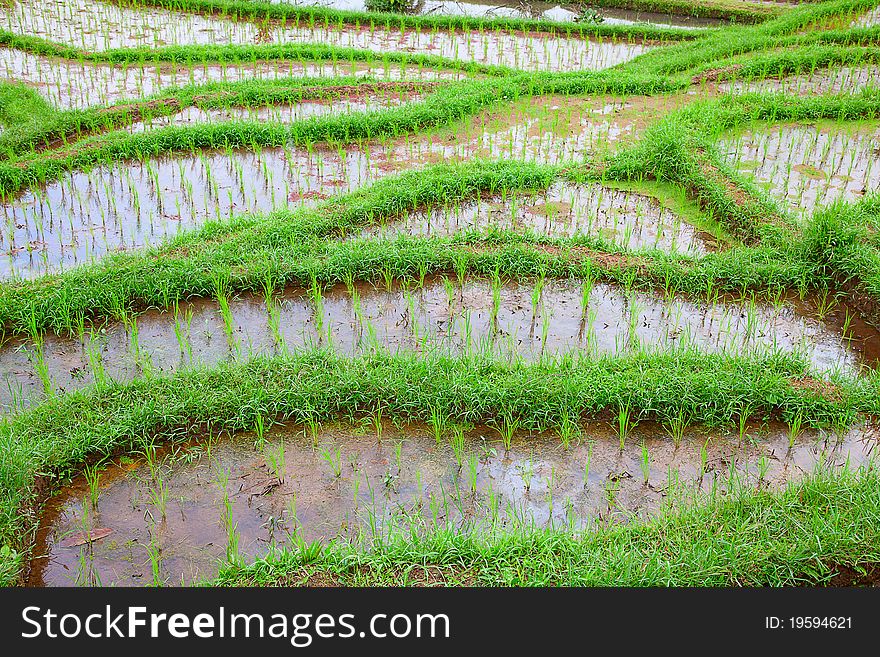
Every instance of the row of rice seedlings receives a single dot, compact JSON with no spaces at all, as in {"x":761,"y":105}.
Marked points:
{"x":816,"y":79}
{"x":492,"y":318}
{"x":81,"y":83}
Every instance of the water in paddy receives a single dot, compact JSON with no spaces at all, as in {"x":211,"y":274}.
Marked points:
{"x":809,"y":166}
{"x":172,"y":519}
{"x":869,"y":19}
{"x":563,"y":13}
{"x":96,"y":26}
{"x":631,"y":220}
{"x":126,"y":205}
{"x":509,"y":320}
{"x":845,"y":79}
{"x":69,"y":84}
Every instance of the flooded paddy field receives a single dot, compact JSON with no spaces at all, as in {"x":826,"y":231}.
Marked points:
{"x":77,"y":85}
{"x":807,"y":167}
{"x":127,"y":205}
{"x":509,"y":320}
{"x":845,"y":79}
{"x":870,"y":19}
{"x":630,"y":220}
{"x":562,"y":13}
{"x":96,"y":26}
{"x":173,"y":516}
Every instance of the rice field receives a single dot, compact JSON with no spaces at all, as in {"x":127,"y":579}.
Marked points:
{"x":325,"y":290}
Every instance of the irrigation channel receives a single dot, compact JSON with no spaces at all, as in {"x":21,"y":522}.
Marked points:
{"x":222,"y":221}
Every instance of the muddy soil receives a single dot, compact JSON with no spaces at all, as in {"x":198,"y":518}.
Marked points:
{"x":174,"y":521}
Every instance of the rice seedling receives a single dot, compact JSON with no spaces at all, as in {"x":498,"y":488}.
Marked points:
{"x":457,"y":440}
{"x":438,"y":423}
{"x":527,"y":473}
{"x":149,"y":452}
{"x":276,"y":460}
{"x":96,"y":361}
{"x":825,"y":303}
{"x":377,"y":421}
{"x":398,"y":454}
{"x":41,"y":367}
{"x":763,"y":465}
{"x":507,"y":429}
{"x":624,"y":423}
{"x":744,"y":416}
{"x":472,"y":472}
{"x":333,"y":459}
{"x":158,"y":497}
{"x":795,"y":426}
{"x":92,"y":476}
{"x":568,"y":431}
{"x":704,"y":459}
{"x":260,"y":430}
{"x":676,"y":426}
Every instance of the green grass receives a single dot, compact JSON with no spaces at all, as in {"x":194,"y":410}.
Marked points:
{"x":843,"y":242}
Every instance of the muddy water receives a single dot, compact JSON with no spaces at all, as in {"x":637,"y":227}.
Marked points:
{"x":808,"y":166}
{"x":126,"y":205}
{"x":77,"y":85}
{"x":512,"y":321}
{"x":351,"y":485}
{"x":95,"y":26}
{"x":630,"y":220}
{"x":846,"y":79}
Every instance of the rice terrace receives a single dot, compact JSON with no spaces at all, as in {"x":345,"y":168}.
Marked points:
{"x":437,"y":293}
